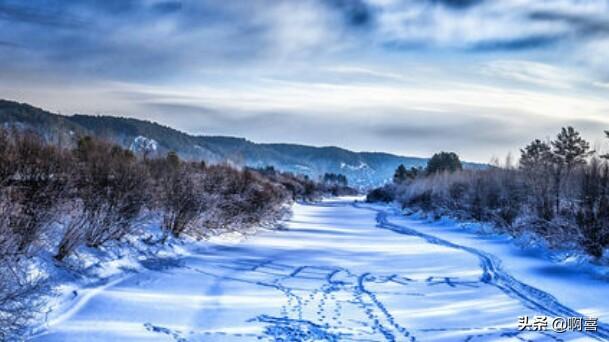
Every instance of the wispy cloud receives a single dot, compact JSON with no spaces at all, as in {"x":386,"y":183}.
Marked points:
{"x":535,"y":73}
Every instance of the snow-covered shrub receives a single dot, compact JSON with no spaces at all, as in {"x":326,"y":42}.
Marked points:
{"x":109,"y":192}
{"x":237,"y":199}
{"x":300,"y":187}
{"x":33,"y":187}
{"x":178,"y":192}
{"x":31,"y":190}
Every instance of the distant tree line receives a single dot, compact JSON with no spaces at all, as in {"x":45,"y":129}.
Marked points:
{"x":336,"y":184}
{"x":301,"y":186}
{"x":559,"y":191}
{"x":55,"y":200}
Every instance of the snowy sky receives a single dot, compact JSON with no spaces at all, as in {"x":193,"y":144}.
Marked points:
{"x":478,"y":77}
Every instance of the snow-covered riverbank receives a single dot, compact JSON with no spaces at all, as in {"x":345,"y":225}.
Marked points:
{"x":338,"y":272}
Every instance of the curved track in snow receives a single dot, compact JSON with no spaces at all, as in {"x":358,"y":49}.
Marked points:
{"x":493,"y":274}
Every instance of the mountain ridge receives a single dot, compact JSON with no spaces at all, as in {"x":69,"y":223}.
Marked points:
{"x":363,"y":169}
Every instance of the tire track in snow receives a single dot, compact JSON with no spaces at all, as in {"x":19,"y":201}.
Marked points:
{"x":493,"y":274}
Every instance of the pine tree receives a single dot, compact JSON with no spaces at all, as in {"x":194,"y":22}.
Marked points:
{"x":400,"y":174}
{"x":569,"y":150}
{"x":535,"y":155}
{"x":444,"y":161}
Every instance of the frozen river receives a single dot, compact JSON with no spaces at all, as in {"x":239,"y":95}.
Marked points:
{"x":339,"y":272}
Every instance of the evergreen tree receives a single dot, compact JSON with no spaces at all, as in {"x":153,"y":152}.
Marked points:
{"x":403,"y":174}
{"x":537,"y":154}
{"x":444,"y":161}
{"x":570,"y":149}
{"x":400,"y":174}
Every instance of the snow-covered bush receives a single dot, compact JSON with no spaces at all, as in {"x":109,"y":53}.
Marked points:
{"x":31,"y":190}
{"x":109,"y":193}
{"x":177,"y":192}
{"x":237,"y":199}
{"x":20,"y":297}
{"x":33,"y":186}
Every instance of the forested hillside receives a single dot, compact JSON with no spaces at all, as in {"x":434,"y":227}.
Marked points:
{"x":362,"y":169}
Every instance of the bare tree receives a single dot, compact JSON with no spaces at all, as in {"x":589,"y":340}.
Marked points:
{"x":593,"y":213}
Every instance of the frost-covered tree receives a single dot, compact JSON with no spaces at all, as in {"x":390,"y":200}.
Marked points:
{"x":593,"y":213}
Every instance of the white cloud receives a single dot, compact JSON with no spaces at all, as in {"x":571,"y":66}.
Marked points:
{"x":535,"y":73}
{"x":601,"y":84}
{"x":366,"y":72}
{"x":595,"y":54}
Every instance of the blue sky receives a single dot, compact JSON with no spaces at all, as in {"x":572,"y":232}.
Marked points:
{"x":478,"y":77}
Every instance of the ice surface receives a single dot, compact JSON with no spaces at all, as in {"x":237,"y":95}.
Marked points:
{"x":338,"y":272}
